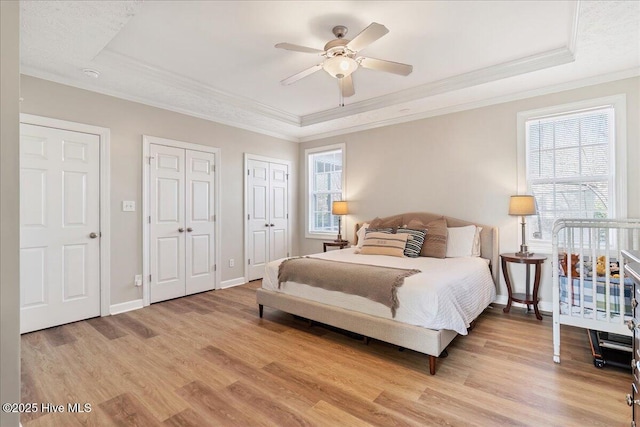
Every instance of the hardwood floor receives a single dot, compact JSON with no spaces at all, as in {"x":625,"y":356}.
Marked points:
{"x":209,"y":360}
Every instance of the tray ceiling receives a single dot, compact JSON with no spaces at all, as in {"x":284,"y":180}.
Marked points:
{"x":217,"y":60}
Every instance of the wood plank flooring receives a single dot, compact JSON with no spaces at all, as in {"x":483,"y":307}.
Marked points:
{"x":209,"y":360}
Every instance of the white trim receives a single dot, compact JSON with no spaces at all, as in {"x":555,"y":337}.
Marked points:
{"x":233,"y":282}
{"x":546,"y":306}
{"x":126,"y":306}
{"x":104,"y":135}
{"x":247,"y":249}
{"x":620,"y":197}
{"x":489,"y":74}
{"x":339,"y":146}
{"x":147,"y":140}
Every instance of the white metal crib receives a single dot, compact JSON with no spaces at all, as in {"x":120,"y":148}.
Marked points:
{"x":588,"y":294}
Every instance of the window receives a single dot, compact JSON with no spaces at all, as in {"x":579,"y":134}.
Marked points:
{"x":325,"y":177}
{"x":574,"y":163}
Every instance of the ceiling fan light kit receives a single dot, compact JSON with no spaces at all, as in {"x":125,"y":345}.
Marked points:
{"x":341,"y":60}
{"x":340,"y":66}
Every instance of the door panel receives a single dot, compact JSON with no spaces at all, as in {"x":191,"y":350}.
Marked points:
{"x":279,"y":230}
{"x":267,"y":206}
{"x":258,"y":209}
{"x":59,"y":209}
{"x":200,"y":222}
{"x":166,"y":202}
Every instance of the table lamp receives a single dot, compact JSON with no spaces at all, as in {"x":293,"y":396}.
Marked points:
{"x":523,"y":206}
{"x":339,"y":208}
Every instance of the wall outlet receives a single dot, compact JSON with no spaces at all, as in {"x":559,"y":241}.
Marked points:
{"x":128,"y":206}
{"x":232,"y":262}
{"x":138,"y":280}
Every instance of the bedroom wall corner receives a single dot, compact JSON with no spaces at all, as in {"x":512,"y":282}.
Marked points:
{"x":9,"y":210}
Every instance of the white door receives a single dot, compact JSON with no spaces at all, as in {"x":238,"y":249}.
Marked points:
{"x":167,"y":230}
{"x":59,"y":227}
{"x":258,"y":217}
{"x":279,"y":217}
{"x":200,"y":222}
{"x":182,"y":223}
{"x":268,"y":218}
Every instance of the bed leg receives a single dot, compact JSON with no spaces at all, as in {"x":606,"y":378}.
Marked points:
{"x":366,"y":340}
{"x":432,"y":364}
{"x":260,"y":309}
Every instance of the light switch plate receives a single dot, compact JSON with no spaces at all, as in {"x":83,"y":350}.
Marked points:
{"x":128,"y":206}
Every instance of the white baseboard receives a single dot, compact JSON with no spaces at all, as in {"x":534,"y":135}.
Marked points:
{"x":233,"y":282}
{"x":126,"y":306}
{"x":542,"y":305}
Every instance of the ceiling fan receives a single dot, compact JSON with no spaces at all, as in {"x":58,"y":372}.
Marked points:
{"x":341,"y":60}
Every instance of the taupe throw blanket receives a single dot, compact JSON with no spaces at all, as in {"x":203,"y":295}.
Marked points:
{"x":374,"y":282}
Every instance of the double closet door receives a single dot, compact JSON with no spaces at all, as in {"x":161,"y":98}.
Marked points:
{"x":267,"y":214}
{"x":182,"y":222}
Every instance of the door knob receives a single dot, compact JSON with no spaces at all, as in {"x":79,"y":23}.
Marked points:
{"x":266,"y":225}
{"x":93,"y":235}
{"x":631,"y":324}
{"x":271,"y":225}
{"x":181,"y":230}
{"x":631,"y":401}
{"x":189,"y":229}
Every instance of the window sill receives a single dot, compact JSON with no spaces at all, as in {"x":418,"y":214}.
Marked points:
{"x":321,"y":236}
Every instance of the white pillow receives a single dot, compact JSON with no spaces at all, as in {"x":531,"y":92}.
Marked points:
{"x":461,"y":241}
{"x":361,"y":232}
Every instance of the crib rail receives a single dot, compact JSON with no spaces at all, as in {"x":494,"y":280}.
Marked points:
{"x":586,"y":291}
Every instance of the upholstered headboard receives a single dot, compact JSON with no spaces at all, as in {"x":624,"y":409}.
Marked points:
{"x":489,"y":247}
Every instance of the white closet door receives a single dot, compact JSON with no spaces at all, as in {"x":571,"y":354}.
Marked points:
{"x":200,"y":225}
{"x":278,"y":223}
{"x":167,"y":230}
{"x":59,"y":227}
{"x":258,"y":211}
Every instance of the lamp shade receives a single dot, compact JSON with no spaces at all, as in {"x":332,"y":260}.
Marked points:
{"x":339,"y":208}
{"x":340,"y":66}
{"x":522,"y":205}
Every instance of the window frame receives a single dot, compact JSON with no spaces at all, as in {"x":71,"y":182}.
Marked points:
{"x":308,"y":185}
{"x":618,"y":151}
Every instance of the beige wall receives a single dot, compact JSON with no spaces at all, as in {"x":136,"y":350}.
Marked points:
{"x":128,"y":121}
{"x":461,"y":164}
{"x":9,"y":210}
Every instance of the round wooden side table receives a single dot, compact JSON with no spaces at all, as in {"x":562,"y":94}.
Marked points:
{"x":524,"y":298}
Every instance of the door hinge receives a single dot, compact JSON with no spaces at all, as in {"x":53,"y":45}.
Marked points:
{"x":248,"y":172}
{"x":213,"y":168}
{"x":214,"y":218}
{"x":150,"y":158}
{"x":287,"y":216}
{"x":248,"y":217}
{"x":149,"y":278}
{"x":149,"y":219}
{"x":288,"y":255}
{"x":287,"y":177}
{"x":215,"y":267}
{"x":249,"y":261}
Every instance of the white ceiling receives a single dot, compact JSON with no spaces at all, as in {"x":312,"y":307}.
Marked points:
{"x":216,"y":59}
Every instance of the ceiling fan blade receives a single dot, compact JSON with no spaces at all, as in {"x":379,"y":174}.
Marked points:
{"x":298,"y":48}
{"x":387,"y":66}
{"x":301,"y":74}
{"x":346,"y":86}
{"x":367,"y":36}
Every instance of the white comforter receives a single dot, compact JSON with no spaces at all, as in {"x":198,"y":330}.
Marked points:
{"x":448,"y":293}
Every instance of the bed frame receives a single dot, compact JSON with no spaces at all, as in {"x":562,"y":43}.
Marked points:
{"x":428,"y":341}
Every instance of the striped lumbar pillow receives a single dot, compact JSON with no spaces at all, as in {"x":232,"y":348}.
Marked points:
{"x":414,"y":243}
{"x":376,"y":243}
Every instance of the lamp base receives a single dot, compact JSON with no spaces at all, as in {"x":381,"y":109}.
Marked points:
{"x":339,"y":239}
{"x":524,"y":251}
{"x":524,"y":254}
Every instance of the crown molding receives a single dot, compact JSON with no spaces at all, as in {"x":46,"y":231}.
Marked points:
{"x":180,"y":82}
{"x":576,"y":84}
{"x":492,"y":73}
{"x":34,"y":72}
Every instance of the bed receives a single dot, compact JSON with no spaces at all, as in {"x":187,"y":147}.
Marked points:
{"x":435,"y":304}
